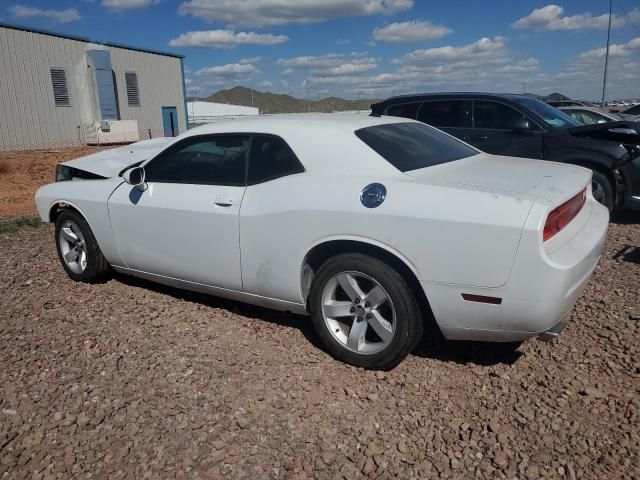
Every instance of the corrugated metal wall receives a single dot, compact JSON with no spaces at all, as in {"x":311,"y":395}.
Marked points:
{"x":29,"y":117}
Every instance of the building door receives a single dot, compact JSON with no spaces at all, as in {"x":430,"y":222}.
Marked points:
{"x":170,"y":121}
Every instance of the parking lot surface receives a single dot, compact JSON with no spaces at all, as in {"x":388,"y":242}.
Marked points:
{"x":131,"y":380}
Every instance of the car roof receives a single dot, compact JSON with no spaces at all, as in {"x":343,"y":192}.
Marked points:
{"x":281,"y":124}
{"x":324,"y":142}
{"x":423,"y":96}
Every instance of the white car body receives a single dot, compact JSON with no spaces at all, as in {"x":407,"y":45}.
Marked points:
{"x":471,"y":226}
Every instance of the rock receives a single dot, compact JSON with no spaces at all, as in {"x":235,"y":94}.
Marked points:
{"x":500,"y":459}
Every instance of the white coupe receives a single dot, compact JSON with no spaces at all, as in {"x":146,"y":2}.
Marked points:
{"x":376,"y":227}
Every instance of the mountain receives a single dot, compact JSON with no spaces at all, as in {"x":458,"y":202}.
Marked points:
{"x":277,"y":103}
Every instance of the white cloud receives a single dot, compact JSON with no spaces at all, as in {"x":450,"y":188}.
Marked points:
{"x":477,"y":53}
{"x":552,"y":18}
{"x":265,"y":84}
{"x":127,"y":4}
{"x":229,"y":70}
{"x":412,"y":31}
{"x":57,"y":16}
{"x":484,"y":65}
{"x":250,"y":60}
{"x":581,"y":76}
{"x":225,"y":39}
{"x":283,"y":12}
{"x":329,"y":64}
{"x":615,"y":50}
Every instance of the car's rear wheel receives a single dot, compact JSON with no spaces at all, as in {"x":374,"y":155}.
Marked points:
{"x":364,"y":311}
{"x":78,"y":249}
{"x":602,"y":190}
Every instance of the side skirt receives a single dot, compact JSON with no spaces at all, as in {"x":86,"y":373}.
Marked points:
{"x":245,"y":297}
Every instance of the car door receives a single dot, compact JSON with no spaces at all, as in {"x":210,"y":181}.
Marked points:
{"x":498,"y":129}
{"x":269,"y":219}
{"x":451,"y":116}
{"x":185,"y":224}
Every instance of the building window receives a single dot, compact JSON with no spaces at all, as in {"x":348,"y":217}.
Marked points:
{"x":60,"y":88}
{"x":133,"y":94}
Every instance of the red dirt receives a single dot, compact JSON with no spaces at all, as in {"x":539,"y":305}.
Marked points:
{"x":23,"y":172}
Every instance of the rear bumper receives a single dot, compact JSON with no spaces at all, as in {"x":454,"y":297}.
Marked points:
{"x":541,"y":291}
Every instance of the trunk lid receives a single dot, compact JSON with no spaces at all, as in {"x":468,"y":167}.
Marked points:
{"x":555,"y":182}
{"x":108,"y":163}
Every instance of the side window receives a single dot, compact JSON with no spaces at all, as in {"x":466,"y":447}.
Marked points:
{"x":271,"y":158}
{"x":446,"y":113}
{"x":404,"y":110}
{"x":213,"y":160}
{"x":495,"y":116}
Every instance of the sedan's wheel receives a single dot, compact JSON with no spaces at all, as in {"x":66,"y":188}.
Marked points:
{"x":78,"y":250}
{"x":602,"y":190}
{"x":364,"y":311}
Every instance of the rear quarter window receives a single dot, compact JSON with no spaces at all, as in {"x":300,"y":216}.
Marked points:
{"x":410,"y":146}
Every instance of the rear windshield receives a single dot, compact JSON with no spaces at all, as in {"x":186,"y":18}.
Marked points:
{"x":410,"y":146}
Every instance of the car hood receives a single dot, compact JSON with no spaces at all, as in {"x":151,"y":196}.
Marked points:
{"x":624,"y":132}
{"x":108,"y":163}
{"x":554,"y":182}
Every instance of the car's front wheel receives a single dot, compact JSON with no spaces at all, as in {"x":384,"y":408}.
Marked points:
{"x":78,"y":249}
{"x":364,"y":311}
{"x":602,"y":190}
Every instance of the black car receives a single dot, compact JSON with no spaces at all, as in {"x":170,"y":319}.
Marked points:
{"x":522,"y":126}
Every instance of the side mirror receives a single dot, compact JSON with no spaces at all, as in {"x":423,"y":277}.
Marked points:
{"x":136,"y":178}
{"x":521,"y":125}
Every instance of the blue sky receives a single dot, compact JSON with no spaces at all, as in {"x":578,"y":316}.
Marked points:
{"x":367,"y":48}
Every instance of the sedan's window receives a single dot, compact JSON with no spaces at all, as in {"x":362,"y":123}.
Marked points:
{"x":410,"y":146}
{"x":271,"y":158}
{"x":211,"y":160}
{"x":446,"y":113}
{"x":495,"y":116}
{"x":404,"y":110}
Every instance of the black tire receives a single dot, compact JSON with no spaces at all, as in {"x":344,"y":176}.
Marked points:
{"x":97,"y":268}
{"x":603,"y":190}
{"x":408,"y":319}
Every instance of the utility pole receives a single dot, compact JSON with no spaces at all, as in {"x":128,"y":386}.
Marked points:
{"x":524,"y":87}
{"x":606,"y":58}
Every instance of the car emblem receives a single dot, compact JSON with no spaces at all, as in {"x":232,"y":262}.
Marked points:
{"x":373,"y":195}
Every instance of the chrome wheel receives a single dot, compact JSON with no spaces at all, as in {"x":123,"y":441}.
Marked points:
{"x":73,"y":247}
{"x":358,"y":312}
{"x":598,"y":192}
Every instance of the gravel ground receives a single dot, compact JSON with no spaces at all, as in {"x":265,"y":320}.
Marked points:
{"x":131,"y":380}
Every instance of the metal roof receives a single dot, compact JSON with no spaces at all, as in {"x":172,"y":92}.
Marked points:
{"x":87,"y":40}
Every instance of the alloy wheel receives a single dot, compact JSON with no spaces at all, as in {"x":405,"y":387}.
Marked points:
{"x":358,"y":312}
{"x":73,"y":247}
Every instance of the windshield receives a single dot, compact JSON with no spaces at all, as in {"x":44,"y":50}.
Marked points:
{"x":410,"y":146}
{"x":551,"y":116}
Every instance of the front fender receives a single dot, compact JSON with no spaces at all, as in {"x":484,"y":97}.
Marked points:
{"x":89,"y":198}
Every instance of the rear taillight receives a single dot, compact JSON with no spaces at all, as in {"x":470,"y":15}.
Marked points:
{"x":562,"y":215}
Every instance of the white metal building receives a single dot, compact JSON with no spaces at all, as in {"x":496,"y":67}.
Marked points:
{"x":207,"y":112}
{"x":60,"y":90}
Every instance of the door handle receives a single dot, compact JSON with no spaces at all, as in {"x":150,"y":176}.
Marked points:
{"x":223,"y":202}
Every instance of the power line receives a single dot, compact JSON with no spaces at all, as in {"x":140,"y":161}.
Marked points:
{"x":626,"y":15}
{"x":606,"y":58}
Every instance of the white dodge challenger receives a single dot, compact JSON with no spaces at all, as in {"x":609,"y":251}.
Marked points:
{"x":376,"y":227}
